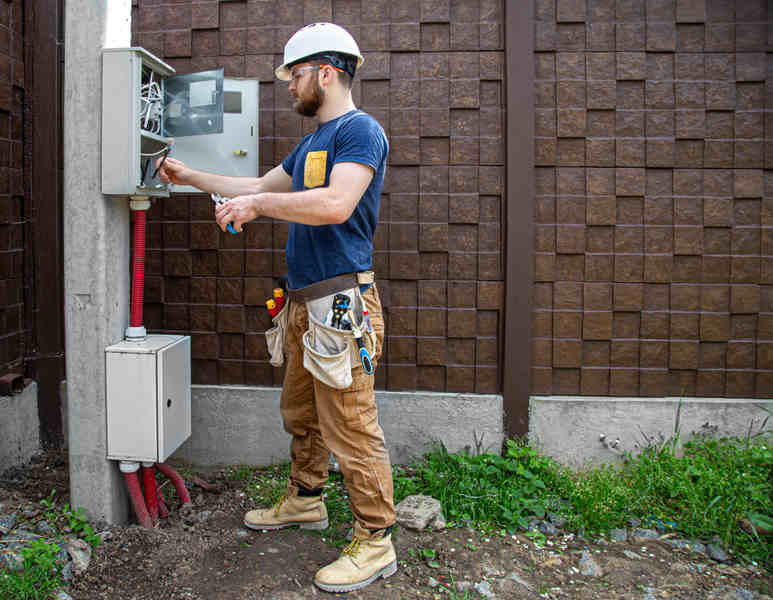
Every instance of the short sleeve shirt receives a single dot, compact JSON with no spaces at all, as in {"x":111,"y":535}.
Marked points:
{"x":318,"y":252}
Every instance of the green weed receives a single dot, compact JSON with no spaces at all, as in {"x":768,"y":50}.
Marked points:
{"x":43,"y":560}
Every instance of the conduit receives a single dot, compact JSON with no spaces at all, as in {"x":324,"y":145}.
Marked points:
{"x":150,"y":505}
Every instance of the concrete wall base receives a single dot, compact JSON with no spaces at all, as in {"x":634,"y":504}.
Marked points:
{"x":19,"y":427}
{"x":234,"y":425}
{"x":584,"y":431}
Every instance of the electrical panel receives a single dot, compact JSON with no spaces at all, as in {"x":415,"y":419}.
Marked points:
{"x":148,"y":397}
{"x":147,"y":112}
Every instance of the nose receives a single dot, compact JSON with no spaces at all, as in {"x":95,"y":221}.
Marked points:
{"x":291,"y":86}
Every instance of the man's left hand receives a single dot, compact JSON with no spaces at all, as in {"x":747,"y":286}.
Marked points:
{"x":237,"y":211}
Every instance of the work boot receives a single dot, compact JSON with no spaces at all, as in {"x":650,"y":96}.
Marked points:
{"x":368,"y":557}
{"x":307,"y":511}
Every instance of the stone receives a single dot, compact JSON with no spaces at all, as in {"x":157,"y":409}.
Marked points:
{"x":634,"y":522}
{"x":433,"y":583}
{"x":62,"y":595}
{"x":11,"y":559}
{"x":7,"y":522}
{"x":683,"y":544}
{"x":631,"y":555}
{"x":640,"y":535}
{"x":618,"y":535}
{"x":43,"y":528}
{"x":716,"y":552}
{"x":650,"y":593}
{"x":80,"y":552}
{"x":547,"y":528}
{"x":588,"y":566}
{"x":557,"y":520}
{"x":484,"y":589}
{"x":418,"y":512}
{"x":67,"y":572}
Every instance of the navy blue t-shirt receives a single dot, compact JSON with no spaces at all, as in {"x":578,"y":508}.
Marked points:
{"x":317,"y":252}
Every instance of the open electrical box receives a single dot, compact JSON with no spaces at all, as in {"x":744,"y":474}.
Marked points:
{"x":207,"y":121}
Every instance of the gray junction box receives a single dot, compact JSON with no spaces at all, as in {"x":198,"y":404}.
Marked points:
{"x":148,"y":397}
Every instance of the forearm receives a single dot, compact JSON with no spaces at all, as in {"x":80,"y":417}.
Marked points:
{"x":224,"y":185}
{"x":318,"y":206}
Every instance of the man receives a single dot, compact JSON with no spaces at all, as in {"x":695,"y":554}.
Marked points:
{"x":329,"y":190}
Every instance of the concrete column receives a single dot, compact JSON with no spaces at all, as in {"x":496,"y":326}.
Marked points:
{"x":96,"y":255}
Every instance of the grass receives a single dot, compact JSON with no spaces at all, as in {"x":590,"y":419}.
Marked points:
{"x":43,"y":560}
{"x":705,"y":490}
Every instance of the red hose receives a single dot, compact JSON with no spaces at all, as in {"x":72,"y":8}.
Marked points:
{"x":178,"y":482}
{"x":138,"y":502}
{"x":138,"y":268}
{"x":151,"y":492}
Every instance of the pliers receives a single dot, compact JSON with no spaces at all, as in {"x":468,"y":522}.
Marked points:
{"x":218,"y":200}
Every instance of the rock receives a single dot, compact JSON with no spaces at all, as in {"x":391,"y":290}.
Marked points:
{"x":519,"y":580}
{"x":633,"y":523}
{"x":727,"y":592}
{"x":551,"y":561}
{"x":588,"y":566}
{"x":11,"y":559}
{"x":43,"y":528}
{"x":7,"y":522}
{"x":642,"y":535}
{"x":650,"y":593}
{"x":62,"y":595}
{"x":80,"y":552}
{"x":547,"y":528}
{"x":204,"y":515}
{"x":433,"y":583}
{"x":618,"y":535}
{"x":484,"y":589}
{"x":683,"y":544}
{"x":418,"y":512}
{"x":717,"y":553}
{"x":26,"y":535}
{"x":631,"y":555}
{"x":463,"y":586}
{"x":557,"y":520}
{"x":242,"y":533}
{"x":67,"y":572}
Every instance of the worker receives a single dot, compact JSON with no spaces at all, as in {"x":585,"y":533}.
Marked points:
{"x":329,"y":190}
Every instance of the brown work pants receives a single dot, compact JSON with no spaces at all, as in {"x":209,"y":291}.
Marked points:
{"x":322,"y":419}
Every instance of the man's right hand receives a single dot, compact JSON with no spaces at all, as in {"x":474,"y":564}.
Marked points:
{"x":173,"y":171}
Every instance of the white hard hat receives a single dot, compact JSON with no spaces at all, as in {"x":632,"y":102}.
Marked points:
{"x":317,"y":38}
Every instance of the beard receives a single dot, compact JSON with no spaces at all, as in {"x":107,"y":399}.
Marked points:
{"x":309,"y":106}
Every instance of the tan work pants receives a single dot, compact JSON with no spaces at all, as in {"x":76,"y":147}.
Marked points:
{"x":322,"y":419}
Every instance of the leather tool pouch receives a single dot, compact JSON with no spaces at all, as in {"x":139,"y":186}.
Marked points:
{"x":330,"y":354}
{"x":275,"y":337}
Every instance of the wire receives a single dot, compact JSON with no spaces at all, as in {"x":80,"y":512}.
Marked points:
{"x":164,"y":149}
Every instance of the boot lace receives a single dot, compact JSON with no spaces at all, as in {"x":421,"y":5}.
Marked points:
{"x":353,"y":548}
{"x":279,"y":503}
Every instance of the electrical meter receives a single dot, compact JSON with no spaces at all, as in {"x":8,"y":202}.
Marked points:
{"x":203,"y":119}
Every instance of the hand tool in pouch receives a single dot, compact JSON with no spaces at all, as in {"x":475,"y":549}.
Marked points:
{"x":218,"y":200}
{"x":367,"y":363}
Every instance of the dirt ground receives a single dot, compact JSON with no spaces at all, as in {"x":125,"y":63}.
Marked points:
{"x":209,"y":555}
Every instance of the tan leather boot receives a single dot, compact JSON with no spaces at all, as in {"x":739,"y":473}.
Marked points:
{"x":368,"y":557}
{"x":307,"y":511}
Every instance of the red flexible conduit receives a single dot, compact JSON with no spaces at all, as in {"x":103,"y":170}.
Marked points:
{"x":178,"y":482}
{"x":151,"y":492}
{"x":138,"y":502}
{"x":138,"y":270}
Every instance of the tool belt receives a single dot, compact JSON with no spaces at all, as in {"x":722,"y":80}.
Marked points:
{"x":326,"y":287}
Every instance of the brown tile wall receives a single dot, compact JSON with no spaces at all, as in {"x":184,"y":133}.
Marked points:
{"x":654,"y":207}
{"x":12,"y":328}
{"x":433,"y":77}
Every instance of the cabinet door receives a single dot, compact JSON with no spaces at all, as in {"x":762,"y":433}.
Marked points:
{"x":235,"y":150}
{"x":131,"y":402}
{"x":174,"y":397}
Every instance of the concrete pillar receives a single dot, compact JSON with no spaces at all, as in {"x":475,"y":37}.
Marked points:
{"x":96,"y":255}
